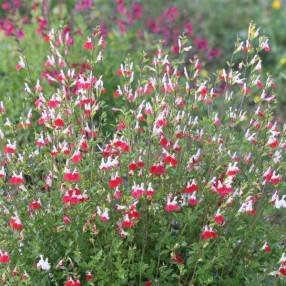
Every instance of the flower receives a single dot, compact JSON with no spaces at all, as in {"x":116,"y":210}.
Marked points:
{"x":208,"y":233}
{"x":88,"y":276}
{"x":66,"y":219}
{"x":21,"y":64}
{"x":193,"y":201}
{"x":172,"y":204}
{"x":219,"y":218}
{"x":35,"y":205}
{"x":157,"y":169}
{"x":10,"y":148}
{"x":16,"y":179}
{"x":15,"y":223}
{"x":59,"y":122}
{"x":266,"y":247}
{"x":191,"y":187}
{"x":177,"y":258}
{"x":4,"y":257}
{"x":71,"y":176}
{"x":71,"y":282}
{"x":88,"y":45}
{"x":115,"y":181}
{"x":276,"y":4}
{"x":43,"y":264}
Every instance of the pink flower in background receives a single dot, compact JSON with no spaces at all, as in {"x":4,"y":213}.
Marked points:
{"x":121,"y":9}
{"x":129,"y":15}
{"x":6,"y":6}
{"x":7,"y":26}
{"x":42,"y":25}
{"x":188,"y":28}
{"x":83,"y":5}
{"x":214,"y":53}
{"x":137,"y":10}
{"x":17,"y":4}
{"x":170,"y":14}
{"x":152,"y":25}
{"x":9,"y":5}
{"x":175,"y":49}
{"x":202,"y":44}
{"x":122,"y":26}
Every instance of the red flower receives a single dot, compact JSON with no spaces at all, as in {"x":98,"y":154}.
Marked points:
{"x":77,"y":157}
{"x":72,"y":176}
{"x":15,"y":223}
{"x":10,"y":148}
{"x":127,"y":223}
{"x":191,"y":187}
{"x":172,"y":204}
{"x":35,"y":205}
{"x":59,"y":122}
{"x":282,"y":270}
{"x":115,"y":182}
{"x":219,"y":218}
{"x":266,"y":247}
{"x":171,"y":160}
{"x":88,"y":276}
{"x":16,"y":179}
{"x":208,"y":233}
{"x":132,"y":166}
{"x":4,"y":257}
{"x":88,"y":44}
{"x":177,"y":258}
{"x":157,"y":169}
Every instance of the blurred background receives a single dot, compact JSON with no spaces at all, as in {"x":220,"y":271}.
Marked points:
{"x":129,"y":27}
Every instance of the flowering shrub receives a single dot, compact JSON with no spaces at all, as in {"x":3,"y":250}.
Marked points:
{"x":179,"y":193}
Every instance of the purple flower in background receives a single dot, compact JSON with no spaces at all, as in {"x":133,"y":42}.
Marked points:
{"x":103,"y":30}
{"x":20,"y":34}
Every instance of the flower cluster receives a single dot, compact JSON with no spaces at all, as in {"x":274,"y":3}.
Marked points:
{"x":178,"y":181}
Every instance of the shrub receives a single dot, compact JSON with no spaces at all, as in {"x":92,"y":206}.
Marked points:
{"x":181,"y":192}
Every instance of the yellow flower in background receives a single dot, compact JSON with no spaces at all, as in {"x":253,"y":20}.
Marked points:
{"x":276,"y":4}
{"x":204,"y":73}
{"x":110,"y":35}
{"x":257,"y":99}
{"x":283,"y":61}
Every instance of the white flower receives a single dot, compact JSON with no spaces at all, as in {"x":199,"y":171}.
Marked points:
{"x":43,"y":264}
